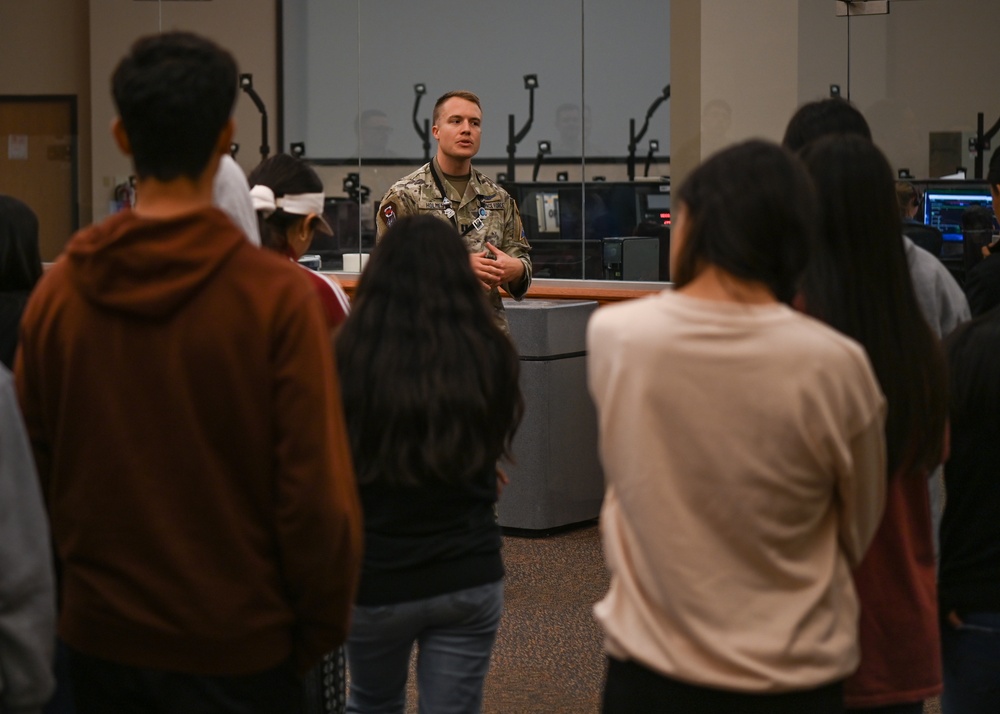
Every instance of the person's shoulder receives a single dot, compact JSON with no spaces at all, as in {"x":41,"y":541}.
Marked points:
{"x":982,"y":285}
{"x":929,"y":273}
{"x":488,"y":185}
{"x":812,"y":331}
{"x":623,"y":317}
{"x":413,"y":182}
{"x":811,"y":341}
{"x":265,"y":267}
{"x":921,"y":261}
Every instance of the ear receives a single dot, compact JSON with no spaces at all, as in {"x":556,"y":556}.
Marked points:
{"x":434,"y":131}
{"x":315,"y":224}
{"x":309,"y":224}
{"x":120,"y":137}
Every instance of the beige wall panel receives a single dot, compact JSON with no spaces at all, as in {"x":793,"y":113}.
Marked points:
{"x":44,"y":49}
{"x":245,"y":27}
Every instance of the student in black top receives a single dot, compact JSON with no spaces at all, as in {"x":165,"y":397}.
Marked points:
{"x":968,"y":583}
{"x":431,"y":400}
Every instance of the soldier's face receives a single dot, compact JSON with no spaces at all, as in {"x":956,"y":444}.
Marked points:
{"x":459,"y":128}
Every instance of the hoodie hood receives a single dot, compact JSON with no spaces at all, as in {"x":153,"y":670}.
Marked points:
{"x":150,"y":267}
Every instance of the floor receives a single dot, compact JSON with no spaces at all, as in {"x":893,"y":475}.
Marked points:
{"x":548,"y":656}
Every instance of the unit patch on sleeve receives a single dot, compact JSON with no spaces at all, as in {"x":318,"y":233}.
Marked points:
{"x":389,"y":213}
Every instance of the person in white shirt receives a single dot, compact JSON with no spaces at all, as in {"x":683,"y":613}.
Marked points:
{"x":743,"y":448}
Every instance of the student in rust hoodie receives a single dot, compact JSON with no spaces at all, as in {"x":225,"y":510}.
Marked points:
{"x":187,"y":427}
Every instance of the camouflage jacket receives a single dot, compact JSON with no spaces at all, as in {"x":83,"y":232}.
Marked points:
{"x":487,"y":208}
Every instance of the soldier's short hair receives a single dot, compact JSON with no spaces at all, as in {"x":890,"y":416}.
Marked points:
{"x":461,"y":94}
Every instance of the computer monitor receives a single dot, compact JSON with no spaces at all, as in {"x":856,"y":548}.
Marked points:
{"x":944,"y":205}
{"x":567,"y":224}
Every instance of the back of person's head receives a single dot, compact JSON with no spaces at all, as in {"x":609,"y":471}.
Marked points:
{"x":175,"y":94}
{"x":20,"y":261}
{"x":975,"y":218}
{"x":907,"y":198}
{"x":749,"y":210}
{"x":859,"y":282}
{"x":429,"y":381}
{"x":977,"y":226}
{"x":284,"y":176}
{"x":826,"y":116}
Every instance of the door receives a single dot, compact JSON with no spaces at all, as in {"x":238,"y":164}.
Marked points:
{"x":38,"y":163}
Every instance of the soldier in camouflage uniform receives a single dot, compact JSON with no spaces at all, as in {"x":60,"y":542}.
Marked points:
{"x":485,"y":214}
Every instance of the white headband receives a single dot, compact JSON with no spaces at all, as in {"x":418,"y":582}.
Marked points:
{"x":299,"y":204}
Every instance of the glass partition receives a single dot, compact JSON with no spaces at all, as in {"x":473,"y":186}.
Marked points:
{"x":522,"y":63}
{"x":350,"y":72}
{"x":360,"y":81}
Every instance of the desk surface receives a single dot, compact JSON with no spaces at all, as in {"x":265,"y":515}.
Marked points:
{"x":603,"y":291}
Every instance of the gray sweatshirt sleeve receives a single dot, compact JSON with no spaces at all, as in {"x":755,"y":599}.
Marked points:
{"x":27,"y":583}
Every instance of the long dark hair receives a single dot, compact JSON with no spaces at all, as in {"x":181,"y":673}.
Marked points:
{"x":20,"y":269}
{"x":750,"y":210}
{"x":858,"y":282}
{"x":429,"y":382}
{"x":284,"y":174}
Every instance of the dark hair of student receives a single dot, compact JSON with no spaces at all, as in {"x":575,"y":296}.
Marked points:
{"x":429,"y":381}
{"x":284,"y":174}
{"x":859,"y":283}
{"x":20,"y":269}
{"x":750,"y":210}
{"x":826,"y":116}
{"x":20,"y":262}
{"x":974,"y":378}
{"x":174,"y":93}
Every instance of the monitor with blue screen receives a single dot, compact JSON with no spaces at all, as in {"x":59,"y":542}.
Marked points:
{"x":944,"y":205}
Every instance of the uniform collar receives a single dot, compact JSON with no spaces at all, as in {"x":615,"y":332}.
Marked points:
{"x":475,"y":183}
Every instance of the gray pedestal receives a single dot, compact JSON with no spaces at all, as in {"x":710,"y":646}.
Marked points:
{"x":557,"y":478}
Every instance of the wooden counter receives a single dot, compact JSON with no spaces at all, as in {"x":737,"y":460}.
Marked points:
{"x":603,"y":291}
